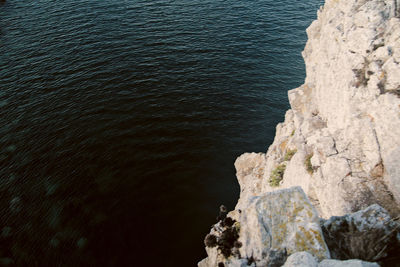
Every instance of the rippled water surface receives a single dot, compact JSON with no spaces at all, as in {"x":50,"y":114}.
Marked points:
{"x":120,"y":121}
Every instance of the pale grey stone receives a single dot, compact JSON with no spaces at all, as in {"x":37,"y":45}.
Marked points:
{"x":271,"y":227}
{"x":301,"y":259}
{"x":348,"y":263}
{"x":204,"y":263}
{"x":280,"y":220}
{"x":238,"y":263}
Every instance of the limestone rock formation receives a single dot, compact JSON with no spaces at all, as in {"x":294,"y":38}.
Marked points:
{"x":305,"y":259}
{"x":348,"y":263}
{"x":284,"y":221}
{"x":282,"y":228}
{"x":368,"y":234}
{"x":340,"y":140}
{"x":271,"y":227}
{"x":301,"y":259}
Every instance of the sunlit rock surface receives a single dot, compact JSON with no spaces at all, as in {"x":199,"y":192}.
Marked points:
{"x":340,"y":143}
{"x":344,"y":121}
{"x":271,"y":227}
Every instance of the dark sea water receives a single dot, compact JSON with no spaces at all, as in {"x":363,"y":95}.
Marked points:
{"x":120,"y":121}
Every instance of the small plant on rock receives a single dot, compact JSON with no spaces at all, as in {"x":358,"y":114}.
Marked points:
{"x":227,"y":241}
{"x":225,"y":237}
{"x":228,"y":222}
{"x":277,"y":175}
{"x":308,"y":164}
{"x":210,"y":241}
{"x":289,"y":154}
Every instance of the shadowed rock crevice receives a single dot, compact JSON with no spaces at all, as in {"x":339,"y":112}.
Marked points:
{"x":369,"y":235}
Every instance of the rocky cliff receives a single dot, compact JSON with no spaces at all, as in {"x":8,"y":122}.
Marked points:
{"x":340,"y":141}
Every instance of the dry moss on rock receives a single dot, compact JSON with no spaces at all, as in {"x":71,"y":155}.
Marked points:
{"x":277,"y":175}
{"x":308,"y":164}
{"x":289,"y":154}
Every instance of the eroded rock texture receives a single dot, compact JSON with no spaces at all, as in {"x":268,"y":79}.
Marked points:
{"x":340,"y":143}
{"x":340,"y":140}
{"x":282,"y":228}
{"x":305,"y":259}
{"x":368,"y":234}
{"x":271,"y":227}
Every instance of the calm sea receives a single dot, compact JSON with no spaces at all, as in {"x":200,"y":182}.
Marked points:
{"x":120,"y":121}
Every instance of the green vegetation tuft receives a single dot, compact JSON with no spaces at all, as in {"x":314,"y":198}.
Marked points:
{"x":277,"y":175}
{"x":308,"y":164}
{"x":289,"y":154}
{"x":292,"y":132}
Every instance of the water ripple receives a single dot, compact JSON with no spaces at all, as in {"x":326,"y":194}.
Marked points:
{"x":120,"y":120}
